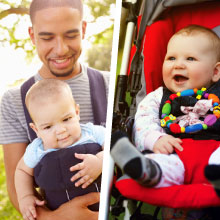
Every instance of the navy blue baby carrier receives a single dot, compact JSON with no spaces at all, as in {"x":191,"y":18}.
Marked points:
{"x":52,"y":173}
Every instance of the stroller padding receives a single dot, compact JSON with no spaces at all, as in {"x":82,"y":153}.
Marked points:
{"x":196,"y":193}
{"x":181,"y":196}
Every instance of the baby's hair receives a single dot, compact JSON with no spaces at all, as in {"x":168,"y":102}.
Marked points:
{"x":197,"y":29}
{"x":46,"y":89}
{"x":37,"y":5}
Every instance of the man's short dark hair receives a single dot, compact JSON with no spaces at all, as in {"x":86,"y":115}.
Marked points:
{"x":37,"y":5}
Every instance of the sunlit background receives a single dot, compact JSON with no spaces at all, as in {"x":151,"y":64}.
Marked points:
{"x":18,"y":59}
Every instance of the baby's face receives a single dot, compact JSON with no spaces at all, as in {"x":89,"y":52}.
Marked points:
{"x":57,"y":122}
{"x":189,"y":63}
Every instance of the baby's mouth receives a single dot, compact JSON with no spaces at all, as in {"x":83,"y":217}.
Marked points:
{"x":180,"y":78}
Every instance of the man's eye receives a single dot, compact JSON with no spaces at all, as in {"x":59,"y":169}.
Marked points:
{"x":191,"y":58}
{"x":47,"y":39}
{"x":71,"y":36}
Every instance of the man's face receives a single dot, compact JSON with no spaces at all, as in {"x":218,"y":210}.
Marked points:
{"x":190,"y":63}
{"x":57,"y":34}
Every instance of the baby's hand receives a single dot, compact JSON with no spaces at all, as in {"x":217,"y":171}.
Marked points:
{"x":166,"y":144}
{"x":27,"y":206}
{"x":89,"y":169}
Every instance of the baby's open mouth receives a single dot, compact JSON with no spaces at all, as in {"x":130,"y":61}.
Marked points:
{"x":180,"y":78}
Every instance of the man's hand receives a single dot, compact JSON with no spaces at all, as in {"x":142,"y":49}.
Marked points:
{"x":75,"y":209}
{"x":166,"y":144}
{"x":89,"y":169}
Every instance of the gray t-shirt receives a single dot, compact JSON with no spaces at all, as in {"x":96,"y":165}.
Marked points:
{"x":13,"y":126}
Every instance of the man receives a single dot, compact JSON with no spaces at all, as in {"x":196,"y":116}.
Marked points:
{"x":57,"y":32}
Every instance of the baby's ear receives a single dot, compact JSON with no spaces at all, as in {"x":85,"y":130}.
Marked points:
{"x":77,"y":107}
{"x":32,"y":125}
{"x":216,"y":73}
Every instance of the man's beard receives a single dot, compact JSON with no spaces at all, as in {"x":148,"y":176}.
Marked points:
{"x":68,"y":73}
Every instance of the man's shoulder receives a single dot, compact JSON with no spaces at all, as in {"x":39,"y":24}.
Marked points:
{"x":12,"y":94}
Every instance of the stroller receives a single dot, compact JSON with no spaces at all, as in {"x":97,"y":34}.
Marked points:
{"x":159,"y":21}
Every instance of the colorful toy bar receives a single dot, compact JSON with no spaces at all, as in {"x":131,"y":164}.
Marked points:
{"x":168,"y":119}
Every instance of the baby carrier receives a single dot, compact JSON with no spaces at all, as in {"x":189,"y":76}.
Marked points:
{"x":158,"y":22}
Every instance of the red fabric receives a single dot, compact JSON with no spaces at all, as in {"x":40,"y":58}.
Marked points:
{"x":183,"y":196}
{"x":197,"y":193}
{"x":195,"y":156}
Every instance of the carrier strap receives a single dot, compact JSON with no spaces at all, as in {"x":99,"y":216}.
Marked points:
{"x":98,"y":96}
{"x":98,"y":99}
{"x":24,"y":88}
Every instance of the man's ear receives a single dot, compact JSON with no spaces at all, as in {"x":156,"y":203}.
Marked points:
{"x":216,"y":73}
{"x":31,"y":34}
{"x":84,"y":25}
{"x":32,"y":125}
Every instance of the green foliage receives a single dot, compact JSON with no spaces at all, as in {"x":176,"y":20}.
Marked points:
{"x":7,"y":212}
{"x":99,"y":7}
{"x":99,"y":56}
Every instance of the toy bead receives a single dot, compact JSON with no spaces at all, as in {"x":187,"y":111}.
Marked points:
{"x":198,"y":96}
{"x":172,"y":117}
{"x":178,"y":93}
{"x":173,"y":96}
{"x":168,"y":124}
{"x":206,"y":95}
{"x":199,"y":92}
{"x":203,"y":89}
{"x":195,"y":90}
{"x":204,"y":126}
{"x":216,"y":113}
{"x":175,"y":128}
{"x":210,"y":120}
{"x":163,"y":115}
{"x":167,"y":118}
{"x":182,"y":130}
{"x":166,"y":109}
{"x":162,"y":123}
{"x":193,"y":128}
{"x":187,"y":92}
{"x":214,"y":98}
{"x":168,"y":101}
{"x":215,"y":104}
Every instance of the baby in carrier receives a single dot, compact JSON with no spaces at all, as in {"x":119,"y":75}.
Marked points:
{"x":65,"y":156}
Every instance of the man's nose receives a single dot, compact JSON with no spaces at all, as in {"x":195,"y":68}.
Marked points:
{"x":61,"y":48}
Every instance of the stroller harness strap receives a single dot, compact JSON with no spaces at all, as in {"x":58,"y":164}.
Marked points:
{"x":98,"y":99}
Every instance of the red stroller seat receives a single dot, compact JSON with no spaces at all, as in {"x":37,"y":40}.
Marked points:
{"x":197,"y":192}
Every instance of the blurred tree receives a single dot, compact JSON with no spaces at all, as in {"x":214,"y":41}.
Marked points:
{"x":14,"y":20}
{"x":99,"y":55}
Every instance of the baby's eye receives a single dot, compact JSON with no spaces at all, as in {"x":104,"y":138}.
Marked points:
{"x":47,"y":127}
{"x":171,"y":58}
{"x":67,"y":119}
{"x":191,"y":58}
